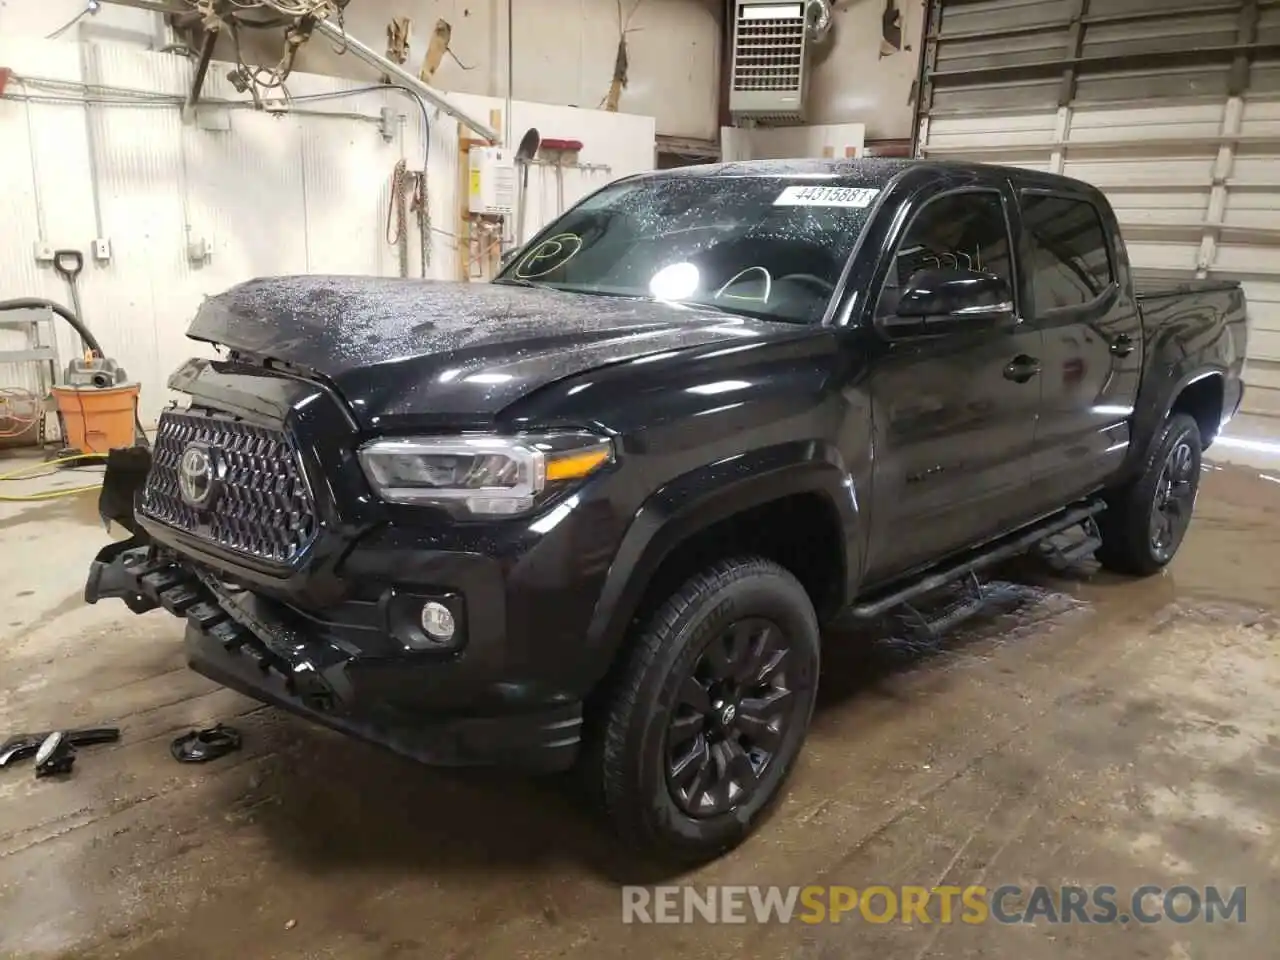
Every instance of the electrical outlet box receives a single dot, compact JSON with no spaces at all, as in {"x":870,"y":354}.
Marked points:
{"x":44,"y":252}
{"x":387,"y":120}
{"x":199,"y":250}
{"x":210,"y":117}
{"x":102,"y":250}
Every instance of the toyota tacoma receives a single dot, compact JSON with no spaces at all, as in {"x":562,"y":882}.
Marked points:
{"x":597,"y":510}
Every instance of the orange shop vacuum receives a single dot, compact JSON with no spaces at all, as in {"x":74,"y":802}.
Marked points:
{"x":97,"y":406}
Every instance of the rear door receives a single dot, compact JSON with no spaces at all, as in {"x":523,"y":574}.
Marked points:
{"x":954,"y":415}
{"x":1080,"y":301}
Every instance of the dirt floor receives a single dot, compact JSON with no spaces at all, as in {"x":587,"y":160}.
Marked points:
{"x":1091,"y":731}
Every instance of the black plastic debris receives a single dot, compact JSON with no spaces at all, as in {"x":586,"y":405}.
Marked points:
{"x":21,"y":746}
{"x":55,"y":756}
{"x":201,"y":746}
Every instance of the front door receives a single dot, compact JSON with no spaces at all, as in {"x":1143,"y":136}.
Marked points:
{"x":1092,"y":345}
{"x":954,"y":415}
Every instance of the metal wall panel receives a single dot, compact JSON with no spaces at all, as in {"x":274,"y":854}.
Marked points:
{"x":31,"y":131}
{"x":1173,"y":109}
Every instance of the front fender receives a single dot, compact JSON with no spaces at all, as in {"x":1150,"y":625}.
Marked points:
{"x":694,"y":501}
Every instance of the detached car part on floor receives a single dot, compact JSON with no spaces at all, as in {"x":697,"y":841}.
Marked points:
{"x":597,"y":510}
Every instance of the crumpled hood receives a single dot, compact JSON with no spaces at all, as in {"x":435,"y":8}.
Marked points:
{"x":399,"y":348}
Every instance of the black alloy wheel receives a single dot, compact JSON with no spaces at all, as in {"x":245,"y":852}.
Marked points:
{"x":730,"y":716}
{"x":698,"y":731}
{"x":1174,"y":499}
{"x":1146,"y":519}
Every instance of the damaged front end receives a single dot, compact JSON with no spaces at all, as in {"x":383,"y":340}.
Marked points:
{"x":249,"y":519}
{"x":122,"y":484}
{"x":147,"y":575}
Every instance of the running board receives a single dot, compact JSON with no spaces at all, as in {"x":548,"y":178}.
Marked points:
{"x":1001,"y":550}
{"x":969,"y":602}
{"x":1062,"y":553}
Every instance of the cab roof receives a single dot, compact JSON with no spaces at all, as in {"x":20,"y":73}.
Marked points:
{"x":869,"y":172}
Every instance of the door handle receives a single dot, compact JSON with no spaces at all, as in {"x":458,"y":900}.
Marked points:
{"x":1021,"y":368}
{"x":1122,"y":345}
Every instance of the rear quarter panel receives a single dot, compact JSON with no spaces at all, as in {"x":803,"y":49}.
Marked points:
{"x":1191,"y":331}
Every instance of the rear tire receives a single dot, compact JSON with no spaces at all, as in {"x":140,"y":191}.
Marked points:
{"x":1145,"y":522}
{"x":709,"y":712}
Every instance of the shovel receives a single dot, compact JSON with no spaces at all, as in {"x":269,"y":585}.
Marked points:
{"x":524,"y":156}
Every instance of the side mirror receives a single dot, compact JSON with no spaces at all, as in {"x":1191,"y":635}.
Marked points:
{"x":950,"y":300}
{"x":507,"y":257}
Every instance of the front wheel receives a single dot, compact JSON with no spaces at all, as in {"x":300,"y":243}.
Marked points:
{"x":710,"y":711}
{"x":1145,"y":522}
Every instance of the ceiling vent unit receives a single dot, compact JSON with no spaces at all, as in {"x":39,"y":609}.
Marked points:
{"x":770,"y":62}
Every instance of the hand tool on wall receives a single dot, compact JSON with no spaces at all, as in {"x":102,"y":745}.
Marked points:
{"x":560,"y":153}
{"x":69,"y":263}
{"x":524,"y":156}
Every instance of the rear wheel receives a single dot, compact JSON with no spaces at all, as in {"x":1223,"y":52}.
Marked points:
{"x":711,"y":710}
{"x":1144,"y":523}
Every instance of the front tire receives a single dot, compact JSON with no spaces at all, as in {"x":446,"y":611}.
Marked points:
{"x":710,"y":711}
{"x":1145,"y":522}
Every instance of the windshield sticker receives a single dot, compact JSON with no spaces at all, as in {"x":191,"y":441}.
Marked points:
{"x":815,"y":196}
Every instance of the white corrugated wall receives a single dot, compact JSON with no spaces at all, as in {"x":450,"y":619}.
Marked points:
{"x":1172,"y":109}
{"x":305,"y":192}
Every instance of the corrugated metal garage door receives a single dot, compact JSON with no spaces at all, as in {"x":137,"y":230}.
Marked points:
{"x":1170,"y":106}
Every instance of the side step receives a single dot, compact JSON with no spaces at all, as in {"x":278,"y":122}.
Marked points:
{"x":1011,"y":546}
{"x":1070,"y":547}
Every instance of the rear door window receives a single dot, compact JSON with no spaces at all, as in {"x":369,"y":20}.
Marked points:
{"x":1068,"y":261}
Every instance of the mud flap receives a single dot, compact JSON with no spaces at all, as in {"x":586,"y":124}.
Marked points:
{"x":126,"y":473}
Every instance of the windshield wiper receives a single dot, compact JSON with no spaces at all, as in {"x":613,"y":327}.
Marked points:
{"x":561,"y":288}
{"x":728,"y":311}
{"x":692,"y":304}
{"x":522,"y":282}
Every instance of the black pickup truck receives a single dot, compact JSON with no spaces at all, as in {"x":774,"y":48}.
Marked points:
{"x":597,"y":510}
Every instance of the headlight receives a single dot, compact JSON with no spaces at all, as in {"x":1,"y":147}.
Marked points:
{"x":482,"y":475}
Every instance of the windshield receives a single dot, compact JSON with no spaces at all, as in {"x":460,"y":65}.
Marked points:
{"x":768,"y":246}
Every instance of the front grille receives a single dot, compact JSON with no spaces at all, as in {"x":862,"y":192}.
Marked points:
{"x":259,"y":503}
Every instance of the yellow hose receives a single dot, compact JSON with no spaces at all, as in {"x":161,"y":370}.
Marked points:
{"x":27,"y":473}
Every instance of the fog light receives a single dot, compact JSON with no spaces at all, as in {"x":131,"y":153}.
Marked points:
{"x":437,"y":622}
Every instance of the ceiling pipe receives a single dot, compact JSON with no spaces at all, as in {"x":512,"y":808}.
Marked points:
{"x":363,"y":52}
{"x":394,"y":70}
{"x":511,"y":62}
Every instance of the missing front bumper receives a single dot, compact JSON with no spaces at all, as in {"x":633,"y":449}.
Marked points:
{"x":242,"y":642}
{"x":146,"y":577}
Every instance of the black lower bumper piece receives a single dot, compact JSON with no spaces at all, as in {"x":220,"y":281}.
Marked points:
{"x":249,"y":645}
{"x":202,"y":746}
{"x":22,"y":746}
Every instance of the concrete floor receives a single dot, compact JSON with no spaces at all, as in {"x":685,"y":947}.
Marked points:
{"x":1098,"y":731}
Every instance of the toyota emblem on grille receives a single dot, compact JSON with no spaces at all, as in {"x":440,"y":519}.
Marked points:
{"x":197,"y":480}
